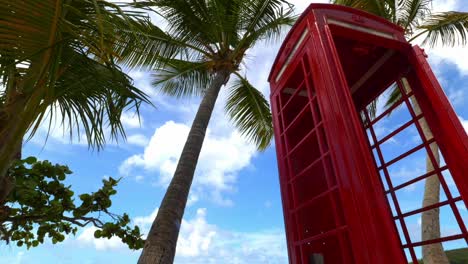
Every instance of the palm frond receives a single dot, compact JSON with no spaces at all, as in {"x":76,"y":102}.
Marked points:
{"x":411,"y":12}
{"x":61,"y":53}
{"x":250,"y":112}
{"x":448,"y":28}
{"x":90,"y":97}
{"x":189,"y":20}
{"x":395,"y":96}
{"x":22,"y":33}
{"x":182,"y":78}
{"x":271,"y":31}
{"x":382,"y":8}
{"x":226,"y":15}
{"x":142,"y":44}
{"x":262,"y":19}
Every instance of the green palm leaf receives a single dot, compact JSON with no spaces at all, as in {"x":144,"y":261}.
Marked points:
{"x":383,"y":8}
{"x":260,"y":19}
{"x":411,"y":12}
{"x":90,"y":97}
{"x":250,"y":112}
{"x":182,"y":78}
{"x":271,"y":31}
{"x":189,"y":20}
{"x":449,"y":28}
{"x":142,"y":44}
{"x":62,"y":52}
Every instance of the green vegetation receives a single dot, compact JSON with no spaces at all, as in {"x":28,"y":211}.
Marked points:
{"x":58,"y":64}
{"x":40,"y":206}
{"x":455,"y":256}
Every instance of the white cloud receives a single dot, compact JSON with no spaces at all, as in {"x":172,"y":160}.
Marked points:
{"x":144,"y":222}
{"x":60,"y":133}
{"x":456,"y":96}
{"x":454,"y":55}
{"x":444,"y":5}
{"x":464,"y":123}
{"x":193,"y":198}
{"x":220,"y":159}
{"x":131,"y":120}
{"x":197,"y":236}
{"x":87,"y":238}
{"x":202,"y":242}
{"x":139,"y":178}
{"x":138,"y":139}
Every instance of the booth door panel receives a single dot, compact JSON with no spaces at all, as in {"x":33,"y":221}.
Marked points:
{"x":410,"y":163}
{"x":313,"y":208}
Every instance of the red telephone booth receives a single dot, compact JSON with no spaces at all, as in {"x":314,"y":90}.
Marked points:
{"x":340,"y":194}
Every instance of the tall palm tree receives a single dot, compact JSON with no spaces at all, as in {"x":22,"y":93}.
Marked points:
{"x":57,"y":63}
{"x":202,"y":48}
{"x":447,"y":28}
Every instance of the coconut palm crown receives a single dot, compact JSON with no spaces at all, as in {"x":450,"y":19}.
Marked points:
{"x":202,"y":48}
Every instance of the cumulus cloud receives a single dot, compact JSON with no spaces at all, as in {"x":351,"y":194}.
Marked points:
{"x":138,"y":139}
{"x":197,"y":236}
{"x":131,"y":120}
{"x":144,"y":222}
{"x":221,"y":158}
{"x":202,"y":242}
{"x":139,"y":178}
{"x":87,"y":238}
{"x":51,"y":130}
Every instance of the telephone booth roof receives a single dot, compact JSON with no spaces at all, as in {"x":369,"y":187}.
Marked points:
{"x":349,"y":22}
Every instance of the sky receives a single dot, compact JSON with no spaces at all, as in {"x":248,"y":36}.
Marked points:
{"x":234,"y":212}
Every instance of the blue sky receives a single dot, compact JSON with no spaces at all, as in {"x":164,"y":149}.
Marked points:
{"x":234,"y":213}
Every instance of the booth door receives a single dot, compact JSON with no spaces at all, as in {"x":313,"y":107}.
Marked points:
{"x":317,"y":232}
{"x":420,"y":152}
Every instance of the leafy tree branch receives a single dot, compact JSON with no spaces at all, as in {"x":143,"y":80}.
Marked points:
{"x":41,"y":205}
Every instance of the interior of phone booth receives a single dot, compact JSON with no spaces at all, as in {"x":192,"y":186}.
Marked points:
{"x":405,"y":151}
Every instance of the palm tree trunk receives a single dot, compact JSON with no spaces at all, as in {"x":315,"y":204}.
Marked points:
{"x":10,"y":142}
{"x":161,"y":242}
{"x":430,"y":220}
{"x":7,"y":183}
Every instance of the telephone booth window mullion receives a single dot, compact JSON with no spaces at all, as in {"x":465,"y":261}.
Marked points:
{"x":427,"y":145}
{"x":390,"y":185}
{"x":435,"y":165}
{"x":404,"y":86}
{"x":323,"y":145}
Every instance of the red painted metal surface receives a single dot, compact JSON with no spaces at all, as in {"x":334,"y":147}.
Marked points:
{"x":332,"y":65}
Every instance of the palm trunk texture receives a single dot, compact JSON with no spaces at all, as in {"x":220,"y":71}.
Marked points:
{"x":161,"y":242}
{"x":10,"y":143}
{"x":430,"y":220}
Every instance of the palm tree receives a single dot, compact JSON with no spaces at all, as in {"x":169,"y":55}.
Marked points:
{"x":447,"y":28}
{"x":204,"y":45}
{"x":57,"y":63}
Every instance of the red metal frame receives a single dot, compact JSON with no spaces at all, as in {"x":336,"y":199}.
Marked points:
{"x":331,"y":190}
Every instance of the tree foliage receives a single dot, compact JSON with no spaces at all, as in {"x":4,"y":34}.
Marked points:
{"x":57,"y":64}
{"x":42,"y":206}
{"x":203,"y":38}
